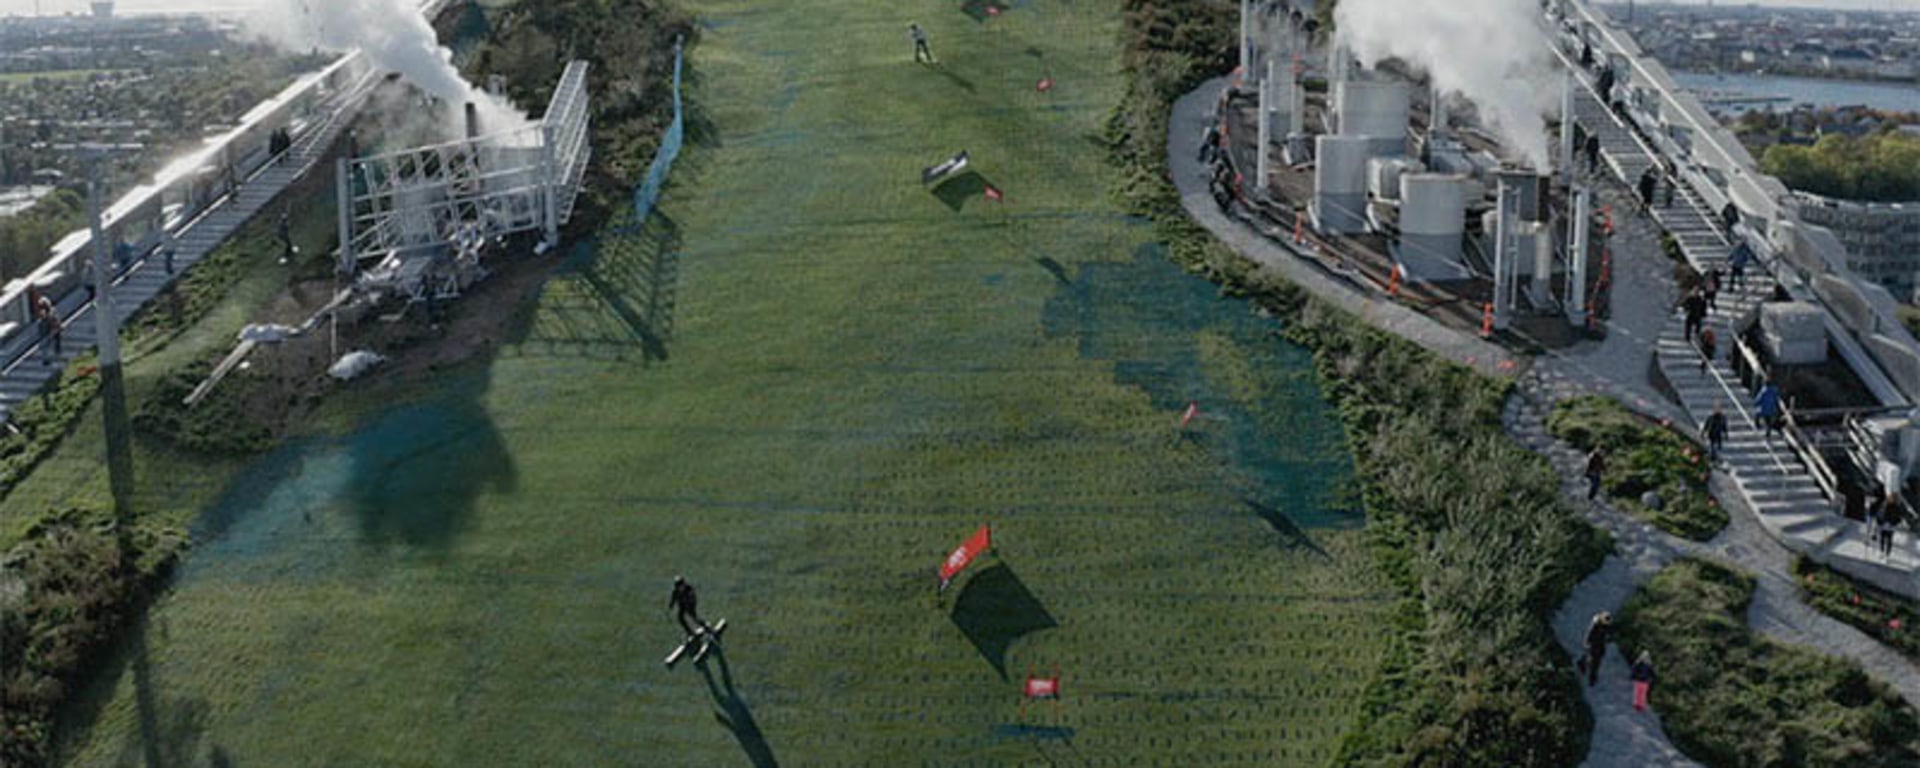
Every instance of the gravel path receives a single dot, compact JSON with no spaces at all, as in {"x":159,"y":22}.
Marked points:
{"x":1643,"y":301}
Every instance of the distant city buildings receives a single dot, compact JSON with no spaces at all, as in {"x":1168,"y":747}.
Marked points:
{"x":1745,"y":38}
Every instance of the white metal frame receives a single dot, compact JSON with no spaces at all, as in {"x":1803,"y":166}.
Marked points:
{"x":423,"y":198}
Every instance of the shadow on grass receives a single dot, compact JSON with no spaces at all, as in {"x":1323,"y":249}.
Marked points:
{"x":1054,"y":268}
{"x":170,"y":731}
{"x":981,"y":10}
{"x":1291,"y":536}
{"x":631,"y":273}
{"x":955,"y":191}
{"x":733,"y":712}
{"x":1036,"y":732}
{"x":953,"y":77}
{"x":416,"y":471}
{"x":994,"y":609}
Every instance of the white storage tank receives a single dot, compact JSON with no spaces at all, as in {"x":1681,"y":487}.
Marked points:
{"x":1378,"y":110}
{"x":1433,"y":219}
{"x":1384,"y":174}
{"x":1340,"y":184}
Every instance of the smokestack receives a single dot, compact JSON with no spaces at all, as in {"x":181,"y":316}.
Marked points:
{"x":1577,"y":257}
{"x":1566,"y":128}
{"x":1437,"y":123}
{"x":473,"y":120}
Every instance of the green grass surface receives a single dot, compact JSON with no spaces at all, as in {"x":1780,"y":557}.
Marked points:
{"x":1643,"y":456}
{"x":1729,"y":697}
{"x":802,"y":399}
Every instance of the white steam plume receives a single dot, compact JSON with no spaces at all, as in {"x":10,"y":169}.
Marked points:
{"x":393,"y":34}
{"x":1492,"y":52}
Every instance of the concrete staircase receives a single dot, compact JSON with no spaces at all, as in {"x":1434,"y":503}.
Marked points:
{"x":35,"y":366}
{"x":1689,"y":221}
{"x":1782,"y":491}
{"x":1777,"y":484}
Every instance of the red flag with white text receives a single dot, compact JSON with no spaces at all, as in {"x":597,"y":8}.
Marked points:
{"x":980,"y":541}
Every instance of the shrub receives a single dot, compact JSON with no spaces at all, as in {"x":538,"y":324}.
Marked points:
{"x":66,"y":590}
{"x":1882,"y":615}
{"x":43,"y":421}
{"x":1643,"y":456}
{"x":1731,"y":697}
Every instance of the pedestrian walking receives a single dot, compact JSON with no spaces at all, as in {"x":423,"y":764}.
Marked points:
{"x":1737,"y":262}
{"x":49,"y":320}
{"x":1586,"y":55}
{"x":1642,"y":676}
{"x":1709,"y":344}
{"x":1767,"y":407}
{"x":1711,"y":288}
{"x":1695,"y":308}
{"x":1599,"y":631}
{"x":1715,"y":432}
{"x":1889,"y":517}
{"x":1647,"y":183}
{"x":1596,"y":468}
{"x":167,"y":248}
{"x":921,"y":53}
{"x":1604,"y":85}
{"x":87,"y":276}
{"x":1209,"y":142}
{"x":1667,"y":188}
{"x":1593,"y":155}
{"x":685,"y":603}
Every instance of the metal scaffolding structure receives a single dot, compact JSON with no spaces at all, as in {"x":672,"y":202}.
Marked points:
{"x":422,"y":202}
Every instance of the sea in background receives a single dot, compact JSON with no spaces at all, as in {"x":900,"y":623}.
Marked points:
{"x":1902,"y":97}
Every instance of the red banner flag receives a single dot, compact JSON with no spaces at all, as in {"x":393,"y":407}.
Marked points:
{"x":993,"y":10}
{"x":1045,"y":84}
{"x":993,"y":193}
{"x":979,"y":542}
{"x":1043,"y":687}
{"x":1193,"y":409}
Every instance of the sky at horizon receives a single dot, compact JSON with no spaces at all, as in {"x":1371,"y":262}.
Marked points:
{"x":57,"y":7}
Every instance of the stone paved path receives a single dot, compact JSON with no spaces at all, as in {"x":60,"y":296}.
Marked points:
{"x":1643,"y":302}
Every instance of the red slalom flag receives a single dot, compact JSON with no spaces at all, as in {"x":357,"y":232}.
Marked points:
{"x":993,"y":10}
{"x":1045,"y":84}
{"x":993,"y":193}
{"x":1193,"y":409}
{"x":980,"y":541}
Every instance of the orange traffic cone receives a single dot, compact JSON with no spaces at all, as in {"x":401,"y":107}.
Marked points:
{"x":1393,"y":281}
{"x":1299,"y":227}
{"x":1486,"y":320}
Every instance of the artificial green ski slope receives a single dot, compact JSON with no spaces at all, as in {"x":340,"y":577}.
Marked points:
{"x":856,"y":373}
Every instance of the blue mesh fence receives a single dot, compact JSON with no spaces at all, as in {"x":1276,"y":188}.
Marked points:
{"x":648,"y":193}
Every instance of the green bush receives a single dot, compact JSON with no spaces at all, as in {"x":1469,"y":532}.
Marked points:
{"x":1729,"y":697}
{"x":43,"y":421}
{"x":66,"y":590}
{"x":218,"y":425}
{"x":1469,"y":525}
{"x":1882,"y":615}
{"x":1643,"y":456}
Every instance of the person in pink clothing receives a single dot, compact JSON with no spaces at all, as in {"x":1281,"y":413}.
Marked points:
{"x":1642,"y":676}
